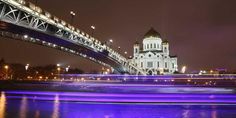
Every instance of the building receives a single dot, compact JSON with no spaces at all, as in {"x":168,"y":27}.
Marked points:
{"x":153,"y":56}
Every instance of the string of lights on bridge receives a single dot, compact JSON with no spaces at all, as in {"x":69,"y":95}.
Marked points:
{"x":90,"y":41}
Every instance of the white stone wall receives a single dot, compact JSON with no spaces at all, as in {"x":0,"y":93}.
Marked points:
{"x":155,"y":54}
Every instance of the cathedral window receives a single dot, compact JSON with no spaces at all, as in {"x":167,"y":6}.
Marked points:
{"x":165,"y":64}
{"x":147,"y":46}
{"x":149,"y":55}
{"x":155,"y":46}
{"x":149,"y":64}
{"x":136,"y":50}
{"x":165,"y":49}
{"x":141,"y":64}
{"x":151,"y":46}
{"x":158,"y":64}
{"x":173,"y":65}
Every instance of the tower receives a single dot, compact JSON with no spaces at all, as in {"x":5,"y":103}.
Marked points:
{"x":136,"y":49}
{"x":165,"y":47}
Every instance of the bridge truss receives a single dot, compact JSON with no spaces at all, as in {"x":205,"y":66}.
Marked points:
{"x":25,"y":21}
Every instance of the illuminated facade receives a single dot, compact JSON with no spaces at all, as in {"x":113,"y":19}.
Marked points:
{"x":153,"y":56}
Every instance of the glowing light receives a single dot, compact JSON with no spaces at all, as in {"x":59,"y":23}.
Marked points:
{"x":183,"y":70}
{"x":26,"y":36}
{"x":211,"y":71}
{"x":111,"y":41}
{"x":6,"y":67}
{"x":72,"y":13}
{"x":67,"y":68}
{"x":23,"y":107}
{"x":93,"y":27}
{"x":27,"y":67}
{"x":2,"y":105}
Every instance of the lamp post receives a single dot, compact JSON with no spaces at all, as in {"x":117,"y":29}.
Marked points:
{"x":125,"y":53}
{"x":119,"y":49}
{"x":110,"y":42}
{"x":67,"y":68}
{"x":93,"y":29}
{"x":58,"y":70}
{"x":26,"y":67}
{"x":183,"y":70}
{"x":6,"y":68}
{"x":72,"y":14}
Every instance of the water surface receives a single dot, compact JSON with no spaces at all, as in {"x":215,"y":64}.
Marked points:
{"x":23,"y":106}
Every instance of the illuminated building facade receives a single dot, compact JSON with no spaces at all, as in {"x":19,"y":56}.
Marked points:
{"x":153,"y":56}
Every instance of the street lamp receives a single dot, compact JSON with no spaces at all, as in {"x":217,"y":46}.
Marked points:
{"x":93,"y":28}
{"x":67,"y":68}
{"x":183,"y":70}
{"x":6,"y":68}
{"x":126,"y":53}
{"x":58,"y":70}
{"x":111,"y":41}
{"x":119,"y":49}
{"x":26,"y":67}
{"x":58,"y":65}
{"x":26,"y":36}
{"x":72,"y":17}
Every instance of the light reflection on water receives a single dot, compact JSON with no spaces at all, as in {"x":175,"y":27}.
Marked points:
{"x":2,"y":105}
{"x":56,"y":107}
{"x":23,"y":107}
{"x":28,"y":108}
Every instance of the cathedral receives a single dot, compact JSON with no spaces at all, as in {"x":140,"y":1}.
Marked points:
{"x":153,"y":57}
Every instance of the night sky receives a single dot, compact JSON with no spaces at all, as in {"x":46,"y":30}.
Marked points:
{"x":201,"y":32}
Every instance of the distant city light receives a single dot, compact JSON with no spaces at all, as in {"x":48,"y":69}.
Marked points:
{"x":93,"y":27}
{"x":26,"y":67}
{"x":26,"y":36}
{"x":67,"y":68}
{"x":111,"y":40}
{"x":72,"y":13}
{"x":6,"y":67}
{"x":183,"y":70}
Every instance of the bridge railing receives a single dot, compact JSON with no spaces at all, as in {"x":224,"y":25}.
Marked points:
{"x":90,"y":42}
{"x":46,"y":16}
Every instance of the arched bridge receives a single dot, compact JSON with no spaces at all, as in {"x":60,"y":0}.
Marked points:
{"x":25,"y":21}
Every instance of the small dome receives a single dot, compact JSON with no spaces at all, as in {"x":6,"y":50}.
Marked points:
{"x":165,"y":41}
{"x":152,"y":33}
